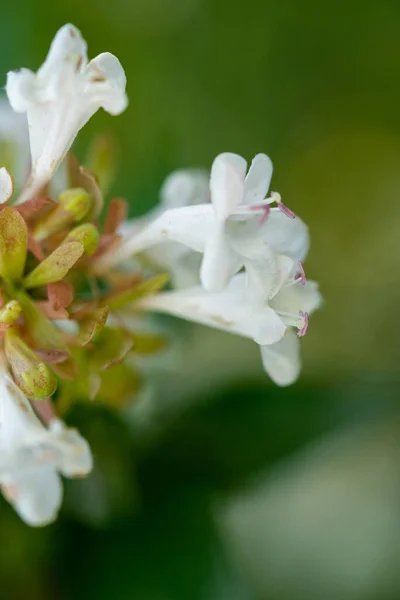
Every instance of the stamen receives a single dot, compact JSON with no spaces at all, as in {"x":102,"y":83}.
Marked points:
{"x":302,"y":332}
{"x":286,"y":211}
{"x":282,"y":207}
{"x":302,"y":275}
{"x":265,"y":208}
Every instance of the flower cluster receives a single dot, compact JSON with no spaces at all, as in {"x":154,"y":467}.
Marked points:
{"x":250,"y":278}
{"x":233,"y":256}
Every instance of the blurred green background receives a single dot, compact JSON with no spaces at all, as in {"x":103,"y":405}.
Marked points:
{"x":216,"y":485}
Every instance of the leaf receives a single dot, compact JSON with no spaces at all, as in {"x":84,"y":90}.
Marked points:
{"x":32,"y":209}
{"x":147,"y":343}
{"x":55,"y":266}
{"x":44,"y":333}
{"x":116,"y":215}
{"x":81,"y":177}
{"x":91,"y":326}
{"x":13,"y":243}
{"x":119,"y":386}
{"x":52,"y":357}
{"x":110,"y":348}
{"x":101,"y":160}
{"x":150,"y":286}
{"x":60,"y":294}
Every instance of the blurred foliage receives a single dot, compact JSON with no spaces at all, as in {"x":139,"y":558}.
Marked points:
{"x":315,"y":86}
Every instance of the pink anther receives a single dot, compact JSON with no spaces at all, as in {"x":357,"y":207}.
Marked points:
{"x":302,"y":332}
{"x":286,"y":211}
{"x":302,"y":275}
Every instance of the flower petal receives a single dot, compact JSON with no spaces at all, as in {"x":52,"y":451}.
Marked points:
{"x":228,"y":310}
{"x":189,"y":225}
{"x":218,"y":260}
{"x":286,"y":236}
{"x":75,"y":458}
{"x":284,"y":266}
{"x":185,"y":187}
{"x":258,"y":179}
{"x":295,"y":298}
{"x":67,"y":51}
{"x":35,"y":493}
{"x":6,"y":185}
{"x":106,"y":83}
{"x":227,"y":183}
{"x":282,"y":360}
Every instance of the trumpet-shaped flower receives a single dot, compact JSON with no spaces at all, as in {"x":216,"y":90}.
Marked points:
{"x":232,"y":231}
{"x":61,"y":97}
{"x":185,"y":187}
{"x":267,"y":316}
{"x":32,"y":457}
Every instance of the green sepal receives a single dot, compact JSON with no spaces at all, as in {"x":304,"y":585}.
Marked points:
{"x":13,"y":244}
{"x":55,"y":266}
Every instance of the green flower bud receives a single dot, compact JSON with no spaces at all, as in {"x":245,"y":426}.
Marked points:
{"x":87,"y":235}
{"x":10,"y":312}
{"x":73,"y":206}
{"x":31,"y":374}
{"x":76,"y":202}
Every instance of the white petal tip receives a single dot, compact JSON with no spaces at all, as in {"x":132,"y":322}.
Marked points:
{"x":106,"y":72}
{"x":6,"y":185}
{"x":20,"y":89}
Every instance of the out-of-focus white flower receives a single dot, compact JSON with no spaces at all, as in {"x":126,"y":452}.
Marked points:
{"x":61,"y":97}
{"x":6,"y":185}
{"x":184,"y":187}
{"x":14,"y":143}
{"x":233,"y":231}
{"x":33,"y":457}
{"x":264,"y":315}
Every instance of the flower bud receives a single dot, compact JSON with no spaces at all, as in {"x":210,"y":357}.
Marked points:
{"x":10,"y":312}
{"x":73,"y":206}
{"x":87,"y":235}
{"x":31,"y":374}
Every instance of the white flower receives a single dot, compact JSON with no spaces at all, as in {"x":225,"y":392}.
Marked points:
{"x":233,"y":231}
{"x":265,"y":316}
{"x":31,"y":457}
{"x":14,"y":143}
{"x":61,"y":97}
{"x":6,"y":185}
{"x":184,"y":187}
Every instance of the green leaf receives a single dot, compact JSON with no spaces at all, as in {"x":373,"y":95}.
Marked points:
{"x":55,"y":266}
{"x":93,"y":325}
{"x":147,"y":343}
{"x":83,"y":178}
{"x":150,"y":286}
{"x":13,"y":243}
{"x":30,"y":373}
{"x":44,"y":334}
{"x":110,"y":348}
